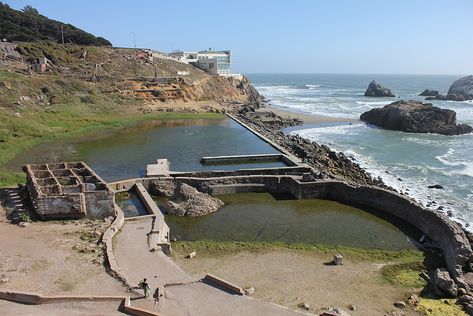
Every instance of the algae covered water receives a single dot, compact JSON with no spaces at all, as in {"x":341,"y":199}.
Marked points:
{"x":124,"y":153}
{"x":262,"y":217}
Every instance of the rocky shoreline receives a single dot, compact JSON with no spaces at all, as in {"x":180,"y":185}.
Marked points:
{"x":330,"y":164}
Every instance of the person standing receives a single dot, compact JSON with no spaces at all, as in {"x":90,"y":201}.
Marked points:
{"x":145,"y":287}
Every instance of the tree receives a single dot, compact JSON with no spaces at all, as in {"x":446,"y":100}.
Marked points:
{"x":30,"y":9}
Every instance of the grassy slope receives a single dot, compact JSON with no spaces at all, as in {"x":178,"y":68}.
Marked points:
{"x":40,"y":108}
{"x":64,"y":121}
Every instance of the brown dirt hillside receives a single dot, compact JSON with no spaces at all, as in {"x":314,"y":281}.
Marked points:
{"x":98,"y":75}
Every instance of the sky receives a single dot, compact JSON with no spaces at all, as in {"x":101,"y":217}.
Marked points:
{"x":288,"y":36}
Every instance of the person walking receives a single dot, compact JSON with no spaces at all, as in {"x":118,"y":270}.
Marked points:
{"x":156,"y":297}
{"x":145,"y":287}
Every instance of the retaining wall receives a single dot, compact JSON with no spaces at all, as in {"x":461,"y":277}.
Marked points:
{"x":160,"y":234}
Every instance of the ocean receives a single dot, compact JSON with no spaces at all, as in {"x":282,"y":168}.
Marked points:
{"x":406,"y":161}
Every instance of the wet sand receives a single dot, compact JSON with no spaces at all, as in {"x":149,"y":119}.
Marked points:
{"x":306,"y":118}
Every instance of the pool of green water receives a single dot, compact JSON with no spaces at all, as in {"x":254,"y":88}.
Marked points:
{"x":124,"y":153}
{"x":130,"y":204}
{"x":262,"y":217}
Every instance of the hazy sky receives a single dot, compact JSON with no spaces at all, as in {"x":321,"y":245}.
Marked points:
{"x":331,"y":36}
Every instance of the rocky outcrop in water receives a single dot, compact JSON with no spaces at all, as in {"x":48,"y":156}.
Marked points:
{"x":187,"y":201}
{"x":430,"y":93}
{"x":460,"y":90}
{"x":416,"y":117}
{"x":376,"y":90}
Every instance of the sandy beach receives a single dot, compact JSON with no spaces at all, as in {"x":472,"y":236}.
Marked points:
{"x":306,"y":118}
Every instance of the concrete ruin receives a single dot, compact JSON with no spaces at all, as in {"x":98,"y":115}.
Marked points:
{"x":68,"y":190}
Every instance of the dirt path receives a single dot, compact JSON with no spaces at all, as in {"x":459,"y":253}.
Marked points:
{"x":291,"y":277}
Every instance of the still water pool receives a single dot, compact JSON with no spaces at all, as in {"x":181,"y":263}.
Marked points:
{"x":123,"y":154}
{"x":262,"y":217}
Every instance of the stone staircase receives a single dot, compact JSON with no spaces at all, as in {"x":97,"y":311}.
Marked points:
{"x":17,"y":202}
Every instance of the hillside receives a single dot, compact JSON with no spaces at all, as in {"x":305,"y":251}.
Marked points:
{"x":30,"y":26}
{"x":88,"y":87}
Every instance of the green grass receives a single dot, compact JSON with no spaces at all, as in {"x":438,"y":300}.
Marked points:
{"x":18,"y":134}
{"x":354,"y":254}
{"x":440,"y":307}
{"x":404,"y":274}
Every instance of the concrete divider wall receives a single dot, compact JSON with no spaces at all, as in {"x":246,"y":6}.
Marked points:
{"x":160,"y":234}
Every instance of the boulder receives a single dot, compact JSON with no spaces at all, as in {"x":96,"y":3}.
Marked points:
{"x":187,"y":201}
{"x":337,"y":259}
{"x":444,"y":284}
{"x":430,"y":93}
{"x":416,"y":117}
{"x":436,"y":186}
{"x":462,"y":88}
{"x":376,"y":90}
{"x":163,"y":187}
{"x":191,"y":255}
{"x":250,"y":291}
{"x":468,"y":277}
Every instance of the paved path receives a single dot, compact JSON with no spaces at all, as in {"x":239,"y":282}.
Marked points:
{"x":190,"y":298}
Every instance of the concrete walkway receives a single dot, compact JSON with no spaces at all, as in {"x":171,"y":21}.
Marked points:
{"x":182,"y":295}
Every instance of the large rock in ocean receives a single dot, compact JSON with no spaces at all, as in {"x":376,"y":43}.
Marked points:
{"x":416,"y":117}
{"x":462,"y":88}
{"x":376,"y":90}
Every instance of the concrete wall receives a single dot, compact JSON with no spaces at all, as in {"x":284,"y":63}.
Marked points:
{"x":99,"y":204}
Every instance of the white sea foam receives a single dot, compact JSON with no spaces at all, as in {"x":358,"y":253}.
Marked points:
{"x":467,"y":170}
{"x":445,"y":158}
{"x":312,"y":86}
{"x":373,"y":103}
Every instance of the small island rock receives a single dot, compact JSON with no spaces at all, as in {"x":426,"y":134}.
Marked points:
{"x":460,"y":90}
{"x":376,"y":90}
{"x":430,"y":93}
{"x":416,"y":117}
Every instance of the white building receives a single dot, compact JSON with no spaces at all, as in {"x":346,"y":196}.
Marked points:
{"x":214,"y":62}
{"x":184,"y":57}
